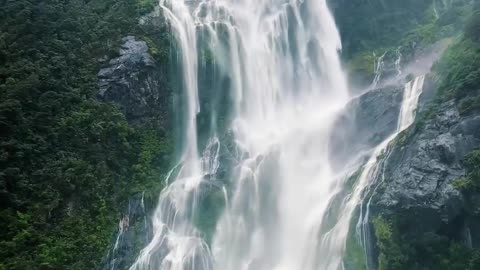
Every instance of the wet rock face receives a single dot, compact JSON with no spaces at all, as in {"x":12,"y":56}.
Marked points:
{"x":367,"y":121}
{"x":134,"y":81}
{"x":421,"y":170}
{"x":134,"y":232}
{"x":137,"y":84}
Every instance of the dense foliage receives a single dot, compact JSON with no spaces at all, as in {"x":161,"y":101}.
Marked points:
{"x":459,"y":70}
{"x":471,"y":182}
{"x":370,"y":24}
{"x":400,"y":250}
{"x":370,"y":29}
{"x":67,"y":161}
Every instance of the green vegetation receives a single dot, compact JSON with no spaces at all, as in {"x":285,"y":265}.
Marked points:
{"x":458,"y":72}
{"x":458,"y":79}
{"x":366,"y":25}
{"x":67,"y":161}
{"x":388,"y":26}
{"x":363,"y":64}
{"x":145,"y":6}
{"x":471,"y":182}
{"x":355,"y":258}
{"x":446,"y":23}
{"x":391,"y":255}
{"x":399,"y":250}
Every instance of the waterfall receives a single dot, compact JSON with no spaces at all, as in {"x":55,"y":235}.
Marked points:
{"x":286,"y":87}
{"x":398,"y":61}
{"x":176,"y":243}
{"x":412,"y":92}
{"x":378,"y":69}
{"x":278,"y":61}
{"x":435,"y":11}
{"x":372,"y":173}
{"x":333,"y":242}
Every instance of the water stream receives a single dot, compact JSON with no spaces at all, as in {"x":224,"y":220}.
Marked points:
{"x":286,"y":89}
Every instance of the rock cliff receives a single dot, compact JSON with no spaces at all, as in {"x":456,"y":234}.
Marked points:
{"x":135,"y":81}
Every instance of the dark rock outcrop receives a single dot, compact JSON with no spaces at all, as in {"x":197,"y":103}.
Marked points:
{"x":366,"y":122}
{"x":134,"y":232}
{"x":420,"y":173}
{"x":134,"y":81}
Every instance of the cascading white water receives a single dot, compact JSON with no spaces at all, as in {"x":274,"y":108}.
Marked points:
{"x":288,"y":86}
{"x":398,"y":61}
{"x":378,"y":69}
{"x":412,"y":92}
{"x":287,"y":89}
{"x":370,"y":171}
{"x":294,"y":87}
{"x":176,"y":243}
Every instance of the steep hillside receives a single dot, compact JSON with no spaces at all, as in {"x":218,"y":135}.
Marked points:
{"x":98,"y":99}
{"x":69,"y":162}
{"x":379,"y":35}
{"x":426,"y":211}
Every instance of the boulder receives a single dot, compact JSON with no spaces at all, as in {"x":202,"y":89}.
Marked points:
{"x":134,"y":81}
{"x":420,"y":174}
{"x":366,"y":121}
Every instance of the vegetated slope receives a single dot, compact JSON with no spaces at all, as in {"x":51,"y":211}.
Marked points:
{"x":67,"y":161}
{"x":372,"y":28}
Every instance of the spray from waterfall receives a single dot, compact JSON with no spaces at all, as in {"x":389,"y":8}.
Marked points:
{"x":278,"y":62}
{"x":286,"y":88}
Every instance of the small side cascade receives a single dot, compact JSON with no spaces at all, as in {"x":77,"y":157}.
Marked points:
{"x":334,"y":240}
{"x":123,"y":226}
{"x":144,"y":212}
{"x":398,"y":61}
{"x":435,"y":11}
{"x":373,"y":174}
{"x":177,"y":243}
{"x":133,"y":228}
{"x":412,"y":92}
{"x":378,"y":69}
